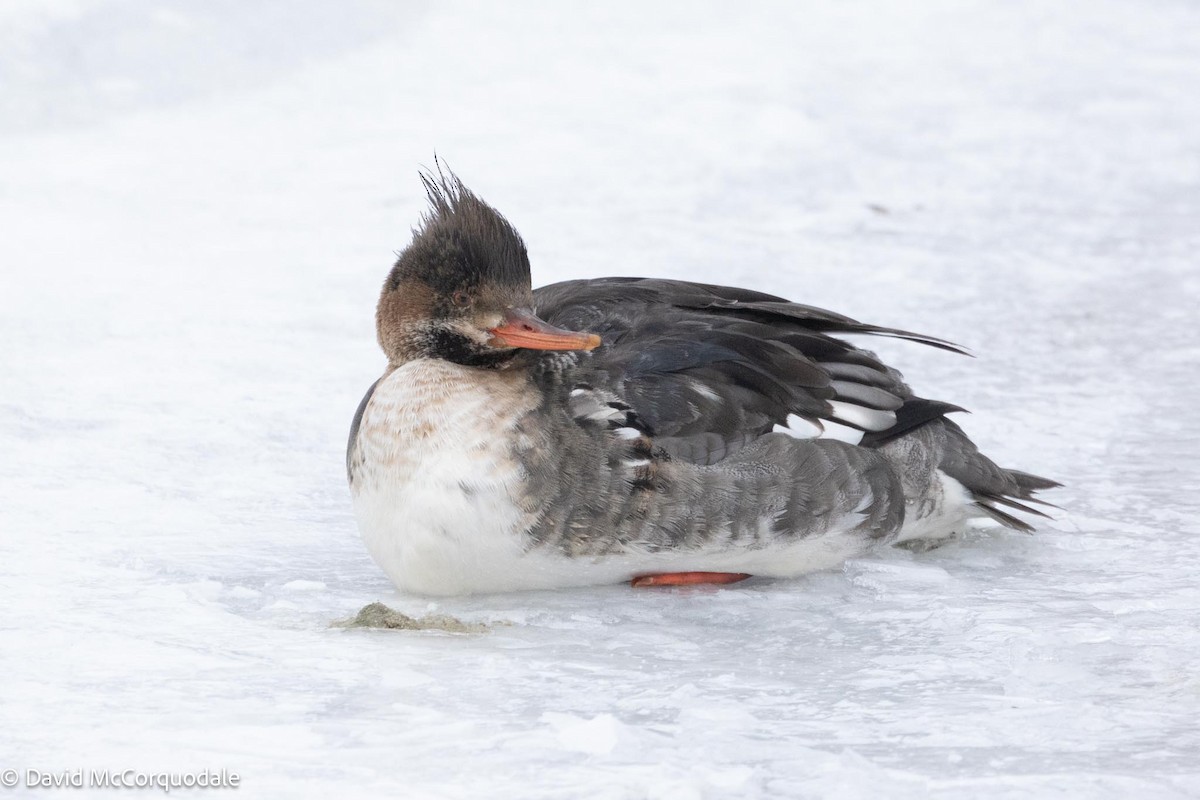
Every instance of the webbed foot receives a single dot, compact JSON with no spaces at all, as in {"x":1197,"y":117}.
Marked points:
{"x":687,"y":579}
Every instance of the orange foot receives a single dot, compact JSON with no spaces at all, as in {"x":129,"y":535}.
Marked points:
{"x":687,"y":578}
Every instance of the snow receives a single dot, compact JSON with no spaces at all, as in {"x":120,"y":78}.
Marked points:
{"x":200,"y":201}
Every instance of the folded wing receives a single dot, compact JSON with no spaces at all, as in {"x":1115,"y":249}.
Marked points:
{"x":706,"y":369}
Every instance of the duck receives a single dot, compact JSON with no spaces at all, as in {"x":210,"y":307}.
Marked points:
{"x":638,"y":430}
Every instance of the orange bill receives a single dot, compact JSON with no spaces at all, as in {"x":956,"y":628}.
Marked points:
{"x":521,"y":328}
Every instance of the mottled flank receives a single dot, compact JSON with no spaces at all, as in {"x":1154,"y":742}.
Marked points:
{"x":377,"y":615}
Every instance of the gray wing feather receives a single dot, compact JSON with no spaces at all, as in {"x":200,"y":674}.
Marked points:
{"x":354,"y":426}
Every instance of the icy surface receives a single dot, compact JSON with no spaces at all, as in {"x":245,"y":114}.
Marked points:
{"x":198,"y":203}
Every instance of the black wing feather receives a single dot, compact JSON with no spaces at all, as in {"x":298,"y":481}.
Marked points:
{"x":697,"y":361}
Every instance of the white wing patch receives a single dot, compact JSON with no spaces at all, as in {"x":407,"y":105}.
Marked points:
{"x":842,"y":433}
{"x":800,"y":428}
{"x":873,"y":419}
{"x":594,"y":406}
{"x":701,"y":389}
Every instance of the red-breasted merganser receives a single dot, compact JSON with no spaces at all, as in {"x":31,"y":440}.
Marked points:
{"x":632,"y":429}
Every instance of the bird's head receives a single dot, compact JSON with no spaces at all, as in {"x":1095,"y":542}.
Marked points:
{"x":461,"y":290}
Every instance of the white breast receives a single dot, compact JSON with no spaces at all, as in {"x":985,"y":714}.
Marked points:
{"x":435,"y":477}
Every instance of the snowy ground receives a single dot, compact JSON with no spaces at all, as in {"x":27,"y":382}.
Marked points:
{"x":199,"y":202}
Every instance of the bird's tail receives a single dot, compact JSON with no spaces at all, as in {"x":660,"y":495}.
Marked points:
{"x":948,"y":483}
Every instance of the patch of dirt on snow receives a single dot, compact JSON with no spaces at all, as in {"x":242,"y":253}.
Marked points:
{"x":377,"y":615}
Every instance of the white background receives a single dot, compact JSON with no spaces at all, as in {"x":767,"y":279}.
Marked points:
{"x":198,"y":203}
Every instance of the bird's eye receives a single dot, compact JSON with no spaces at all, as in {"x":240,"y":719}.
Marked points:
{"x":461,"y":299}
